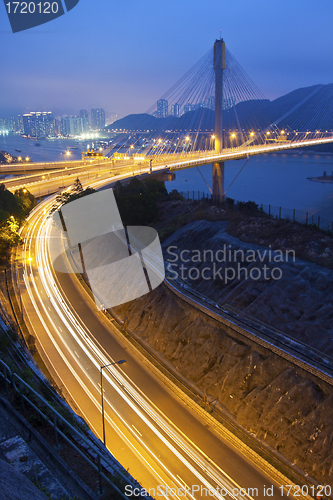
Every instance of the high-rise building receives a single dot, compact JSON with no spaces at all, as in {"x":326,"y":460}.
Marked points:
{"x":39,"y":124}
{"x":10,"y":124}
{"x":228,"y":103}
{"x":18,"y":124}
{"x":200,"y":105}
{"x":211,"y":102}
{"x":71,"y":125}
{"x":85,"y":120}
{"x":188,"y":107}
{"x":77,"y":125}
{"x":175,"y":109}
{"x":162,"y":108}
{"x":66,"y":126}
{"x":97,"y":118}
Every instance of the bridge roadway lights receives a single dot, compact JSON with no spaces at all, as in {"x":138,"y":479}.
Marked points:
{"x":218,"y":182}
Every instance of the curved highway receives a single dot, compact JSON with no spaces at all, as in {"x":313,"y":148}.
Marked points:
{"x":161,"y":440}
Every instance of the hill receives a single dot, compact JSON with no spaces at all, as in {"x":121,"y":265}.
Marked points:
{"x":316,"y":112}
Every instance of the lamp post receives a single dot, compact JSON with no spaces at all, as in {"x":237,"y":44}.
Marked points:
{"x":19,"y":289}
{"x":25,"y":169}
{"x":120,"y":362}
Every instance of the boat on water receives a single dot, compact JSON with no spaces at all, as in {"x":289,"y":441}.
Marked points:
{"x":18,"y":150}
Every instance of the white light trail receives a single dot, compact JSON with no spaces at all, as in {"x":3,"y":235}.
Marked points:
{"x":43,"y":292}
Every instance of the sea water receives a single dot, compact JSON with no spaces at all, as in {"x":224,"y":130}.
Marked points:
{"x":278,"y":179}
{"x":48,"y":150}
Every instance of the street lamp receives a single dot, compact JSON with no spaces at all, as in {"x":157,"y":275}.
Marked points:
{"x":25,"y":170}
{"x":120,"y":362}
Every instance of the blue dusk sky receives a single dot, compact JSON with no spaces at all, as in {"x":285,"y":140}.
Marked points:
{"x":123,"y":56}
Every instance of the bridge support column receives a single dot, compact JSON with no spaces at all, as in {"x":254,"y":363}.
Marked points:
{"x":218,"y":168}
{"x":218,"y":182}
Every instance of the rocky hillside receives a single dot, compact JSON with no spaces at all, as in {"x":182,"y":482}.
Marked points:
{"x":296,"y":297}
{"x":281,"y":404}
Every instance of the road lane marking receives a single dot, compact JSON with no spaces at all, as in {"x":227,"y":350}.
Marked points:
{"x":136,"y":430}
{"x":182,"y":481}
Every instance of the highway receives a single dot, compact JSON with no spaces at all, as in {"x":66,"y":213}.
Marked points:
{"x":150,"y":429}
{"x":47,"y":178}
{"x":52,"y":181}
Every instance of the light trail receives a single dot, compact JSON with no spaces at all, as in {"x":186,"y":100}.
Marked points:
{"x":75,"y":374}
{"x":143,"y":407}
{"x":196,"y":462}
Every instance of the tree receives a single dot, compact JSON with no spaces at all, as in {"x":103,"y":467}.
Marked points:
{"x":77,"y":186}
{"x":76,"y":191}
{"x":13,"y":209}
{"x":26,"y":201}
{"x":175,"y":195}
{"x":8,"y":201}
{"x":137,"y":200}
{"x":9,"y":236}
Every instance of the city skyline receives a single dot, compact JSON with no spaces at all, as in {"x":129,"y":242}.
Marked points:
{"x":43,"y":124}
{"x":76,"y":62}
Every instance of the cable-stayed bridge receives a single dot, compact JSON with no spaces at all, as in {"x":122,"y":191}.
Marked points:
{"x":213,"y":114}
{"x":219,"y":114}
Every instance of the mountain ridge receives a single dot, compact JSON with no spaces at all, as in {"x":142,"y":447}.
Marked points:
{"x":315,"y":113}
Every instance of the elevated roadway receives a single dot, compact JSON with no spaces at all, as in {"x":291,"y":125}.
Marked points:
{"x":177,"y":161}
{"x":54,"y":180}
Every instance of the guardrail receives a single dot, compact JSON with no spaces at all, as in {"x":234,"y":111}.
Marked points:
{"x":267,"y":211}
{"x":302,"y":355}
{"x":54,"y":419}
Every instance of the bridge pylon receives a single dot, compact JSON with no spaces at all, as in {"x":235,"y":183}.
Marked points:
{"x":218,"y":167}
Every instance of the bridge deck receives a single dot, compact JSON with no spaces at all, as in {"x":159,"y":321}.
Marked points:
{"x":175,"y":161}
